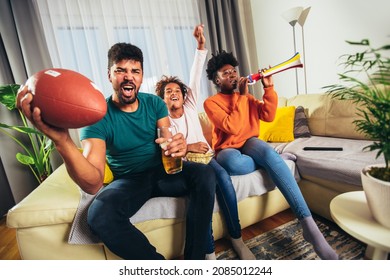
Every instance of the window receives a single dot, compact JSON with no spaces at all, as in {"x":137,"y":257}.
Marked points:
{"x":79,"y":34}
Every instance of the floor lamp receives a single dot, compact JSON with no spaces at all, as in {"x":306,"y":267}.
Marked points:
{"x":291,"y":16}
{"x":301,"y":21}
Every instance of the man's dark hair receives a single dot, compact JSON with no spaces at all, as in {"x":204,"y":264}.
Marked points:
{"x":217,"y":61}
{"x":160,"y":86}
{"x":121,"y":51}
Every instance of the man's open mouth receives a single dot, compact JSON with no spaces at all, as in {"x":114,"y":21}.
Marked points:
{"x":128,"y":88}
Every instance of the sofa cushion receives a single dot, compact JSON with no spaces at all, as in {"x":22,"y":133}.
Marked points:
{"x":206,"y":125}
{"x":339,"y":166}
{"x":253,"y":184}
{"x":281,"y":129}
{"x":301,"y":125}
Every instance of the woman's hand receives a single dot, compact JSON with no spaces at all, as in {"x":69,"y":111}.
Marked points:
{"x":266,"y":81}
{"x":243,"y":85}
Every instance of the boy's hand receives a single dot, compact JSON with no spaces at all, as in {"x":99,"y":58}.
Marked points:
{"x":198,"y":147}
{"x":199,"y":36}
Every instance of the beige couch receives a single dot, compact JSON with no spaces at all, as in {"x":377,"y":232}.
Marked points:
{"x":43,"y":220}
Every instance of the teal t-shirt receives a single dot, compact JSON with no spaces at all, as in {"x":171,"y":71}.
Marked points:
{"x":130,"y":137}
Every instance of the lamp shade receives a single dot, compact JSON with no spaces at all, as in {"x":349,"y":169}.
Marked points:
{"x":303,"y":16}
{"x":292,"y":15}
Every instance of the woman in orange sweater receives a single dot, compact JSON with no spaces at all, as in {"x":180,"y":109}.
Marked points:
{"x":235,"y":116}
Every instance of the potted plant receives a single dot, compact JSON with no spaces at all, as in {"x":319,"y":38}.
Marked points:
{"x":38,"y":150}
{"x":366,"y":81}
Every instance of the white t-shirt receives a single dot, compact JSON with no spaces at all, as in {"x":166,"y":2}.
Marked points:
{"x":190,"y":117}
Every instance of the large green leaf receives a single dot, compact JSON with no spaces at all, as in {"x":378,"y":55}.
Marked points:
{"x":23,"y":129}
{"x":8,"y":95}
{"x":27,"y":160}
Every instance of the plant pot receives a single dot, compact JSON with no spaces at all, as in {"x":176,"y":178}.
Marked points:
{"x":378,"y":197}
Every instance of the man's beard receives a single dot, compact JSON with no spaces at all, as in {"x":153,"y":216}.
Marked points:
{"x":127,"y":100}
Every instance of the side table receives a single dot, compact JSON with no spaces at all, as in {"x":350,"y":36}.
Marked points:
{"x":350,"y":211}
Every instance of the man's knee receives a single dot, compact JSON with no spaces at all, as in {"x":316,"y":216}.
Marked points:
{"x":100,"y":213}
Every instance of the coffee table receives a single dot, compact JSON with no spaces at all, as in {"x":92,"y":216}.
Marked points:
{"x":350,"y":211}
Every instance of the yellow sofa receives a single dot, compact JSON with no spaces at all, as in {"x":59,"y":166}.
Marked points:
{"x":43,"y":220}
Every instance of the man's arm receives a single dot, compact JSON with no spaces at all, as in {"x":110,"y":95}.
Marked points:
{"x":87,"y":173}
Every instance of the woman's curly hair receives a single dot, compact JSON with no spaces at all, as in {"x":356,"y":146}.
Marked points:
{"x":160,"y":86}
{"x":217,"y":61}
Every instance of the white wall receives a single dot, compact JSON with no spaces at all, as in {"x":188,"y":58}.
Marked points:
{"x":329,"y":24}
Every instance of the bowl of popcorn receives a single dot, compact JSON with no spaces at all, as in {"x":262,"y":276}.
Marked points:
{"x":199,"y":157}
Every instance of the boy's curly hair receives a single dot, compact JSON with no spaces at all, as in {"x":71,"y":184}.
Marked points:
{"x":160,"y":86}
{"x":217,"y":61}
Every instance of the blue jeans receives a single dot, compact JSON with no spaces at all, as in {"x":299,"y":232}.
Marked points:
{"x":109,"y":213}
{"x":227,"y":201}
{"x":256,"y":153}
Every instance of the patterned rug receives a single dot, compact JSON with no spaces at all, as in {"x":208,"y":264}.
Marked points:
{"x":286,"y":243}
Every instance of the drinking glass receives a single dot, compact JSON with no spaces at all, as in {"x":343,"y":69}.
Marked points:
{"x":171,"y":164}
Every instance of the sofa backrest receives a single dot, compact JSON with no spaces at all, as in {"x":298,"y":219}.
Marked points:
{"x":328,"y":116}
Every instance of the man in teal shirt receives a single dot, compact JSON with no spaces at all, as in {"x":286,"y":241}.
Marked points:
{"x":126,"y":137}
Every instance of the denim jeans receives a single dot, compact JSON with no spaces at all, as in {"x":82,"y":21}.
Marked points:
{"x":227,"y":201}
{"x":109,"y":213}
{"x":256,"y":153}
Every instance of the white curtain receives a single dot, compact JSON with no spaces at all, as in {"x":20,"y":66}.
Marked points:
{"x":80,"y":32}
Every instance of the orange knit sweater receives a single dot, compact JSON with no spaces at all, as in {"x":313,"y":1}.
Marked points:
{"x":235,"y":117}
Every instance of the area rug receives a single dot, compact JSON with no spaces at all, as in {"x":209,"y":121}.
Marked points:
{"x":286,"y":243}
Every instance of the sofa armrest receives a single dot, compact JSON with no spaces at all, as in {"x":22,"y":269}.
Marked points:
{"x":53,"y":202}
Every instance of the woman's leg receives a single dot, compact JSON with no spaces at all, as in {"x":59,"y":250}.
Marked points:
{"x":236,"y":163}
{"x":227,"y":201}
{"x":266,"y":157}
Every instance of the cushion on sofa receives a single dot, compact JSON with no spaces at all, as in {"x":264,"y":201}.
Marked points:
{"x":253,"y":184}
{"x":301,"y":125}
{"x":281,"y":129}
{"x":206,"y":125}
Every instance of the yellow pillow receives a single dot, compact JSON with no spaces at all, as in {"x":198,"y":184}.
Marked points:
{"x":281,"y":129}
{"x":108,"y":176}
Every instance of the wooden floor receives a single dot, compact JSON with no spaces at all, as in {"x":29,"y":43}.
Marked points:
{"x":9,"y":247}
{"x":257,"y":229}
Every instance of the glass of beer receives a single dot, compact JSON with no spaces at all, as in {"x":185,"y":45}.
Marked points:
{"x":171,"y":164}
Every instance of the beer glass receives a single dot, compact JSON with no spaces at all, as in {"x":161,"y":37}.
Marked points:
{"x":171,"y":164}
